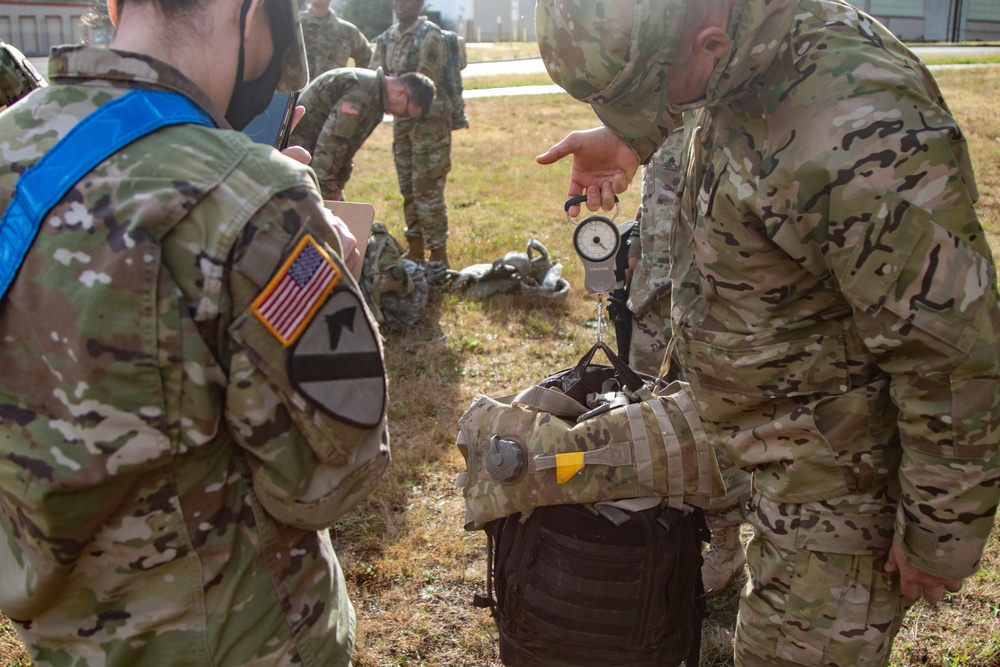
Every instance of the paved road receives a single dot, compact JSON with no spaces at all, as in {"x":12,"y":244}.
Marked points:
{"x":535,"y":66}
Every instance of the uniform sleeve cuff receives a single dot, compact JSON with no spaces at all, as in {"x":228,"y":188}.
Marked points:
{"x":942,"y":555}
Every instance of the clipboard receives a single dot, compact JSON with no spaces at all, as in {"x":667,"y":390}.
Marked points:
{"x":358,"y":217}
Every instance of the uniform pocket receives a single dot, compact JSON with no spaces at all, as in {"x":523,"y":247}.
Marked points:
{"x":839,"y":606}
{"x":909,"y":265}
{"x":757,"y":400}
{"x":841,"y":610}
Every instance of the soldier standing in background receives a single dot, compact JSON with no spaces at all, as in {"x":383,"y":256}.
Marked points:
{"x":421,"y":148}
{"x":330,"y":40}
{"x":649,"y":301}
{"x":18,"y":76}
{"x":177,"y":431}
{"x":343,"y":107}
{"x":833,"y":294}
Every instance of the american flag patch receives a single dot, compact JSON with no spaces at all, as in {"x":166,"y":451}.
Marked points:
{"x":351,"y":108}
{"x":297,"y":291}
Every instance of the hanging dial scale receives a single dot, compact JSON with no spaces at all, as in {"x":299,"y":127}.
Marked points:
{"x":596,"y":240}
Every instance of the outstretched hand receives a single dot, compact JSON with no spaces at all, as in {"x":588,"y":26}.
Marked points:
{"x":603,"y":166}
{"x":916,"y":584}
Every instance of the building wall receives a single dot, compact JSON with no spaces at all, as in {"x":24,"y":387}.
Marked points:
{"x":937,"y":20}
{"x":34,"y":27}
{"x":906,"y":28}
{"x":983,"y":31}
{"x":483,"y":20}
{"x":503,"y":21}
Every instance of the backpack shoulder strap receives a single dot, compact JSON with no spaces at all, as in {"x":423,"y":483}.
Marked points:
{"x":101,"y":134}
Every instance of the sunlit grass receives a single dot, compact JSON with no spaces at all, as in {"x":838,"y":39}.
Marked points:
{"x":411,"y":568}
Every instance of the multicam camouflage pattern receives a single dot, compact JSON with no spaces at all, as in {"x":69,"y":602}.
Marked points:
{"x":331,"y":42}
{"x":613,"y":54}
{"x":421,"y":147}
{"x":651,"y":446}
{"x":841,"y":607}
{"x":834,"y":292}
{"x":15,"y":82}
{"x":343,"y":108}
{"x":661,"y":178}
{"x":149,"y":431}
{"x":649,"y":300}
{"x":835,"y":307}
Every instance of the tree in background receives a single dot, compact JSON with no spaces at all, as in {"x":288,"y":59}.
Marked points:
{"x":371,"y":16}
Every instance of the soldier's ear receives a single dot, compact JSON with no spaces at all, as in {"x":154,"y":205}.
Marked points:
{"x":713,"y":41}
{"x":395,"y":90}
{"x":113,"y":12}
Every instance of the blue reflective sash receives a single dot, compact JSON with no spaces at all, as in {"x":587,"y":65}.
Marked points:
{"x":97,"y":137}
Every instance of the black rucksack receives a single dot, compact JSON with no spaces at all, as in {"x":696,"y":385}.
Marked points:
{"x":572,"y":589}
{"x":606,"y":584}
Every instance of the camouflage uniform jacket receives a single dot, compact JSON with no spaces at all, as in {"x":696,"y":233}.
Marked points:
{"x":330,"y":41}
{"x":661,"y":177}
{"x":834,"y":295}
{"x":419,"y":48}
{"x":343,"y":107}
{"x":165,"y":486}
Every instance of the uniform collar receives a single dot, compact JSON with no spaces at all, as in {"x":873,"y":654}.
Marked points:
{"x":79,"y":64}
{"x":413,"y":27}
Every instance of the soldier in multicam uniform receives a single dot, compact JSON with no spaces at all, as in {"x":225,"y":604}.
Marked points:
{"x":330,"y":40}
{"x":649,"y":301}
{"x":343,"y":107}
{"x":834,"y":296}
{"x":421,"y":148}
{"x":17,"y":75}
{"x":171,"y":453}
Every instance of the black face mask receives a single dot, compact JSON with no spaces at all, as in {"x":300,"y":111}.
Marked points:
{"x":250,"y":98}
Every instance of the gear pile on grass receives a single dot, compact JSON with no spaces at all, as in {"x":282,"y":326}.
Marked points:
{"x":533,"y":273}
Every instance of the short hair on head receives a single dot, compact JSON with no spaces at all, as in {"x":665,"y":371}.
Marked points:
{"x":421,"y":90}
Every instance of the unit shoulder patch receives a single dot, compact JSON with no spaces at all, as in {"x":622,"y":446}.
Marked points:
{"x":337,"y":362}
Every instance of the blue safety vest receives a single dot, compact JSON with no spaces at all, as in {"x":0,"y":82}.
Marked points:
{"x":104,"y":132}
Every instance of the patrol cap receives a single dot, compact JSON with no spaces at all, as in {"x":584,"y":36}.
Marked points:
{"x":294,"y":66}
{"x":612,"y":54}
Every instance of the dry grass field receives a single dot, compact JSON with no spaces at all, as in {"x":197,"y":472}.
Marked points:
{"x":411,"y":568}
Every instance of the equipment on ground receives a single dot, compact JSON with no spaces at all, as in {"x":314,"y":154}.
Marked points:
{"x":589,"y":486}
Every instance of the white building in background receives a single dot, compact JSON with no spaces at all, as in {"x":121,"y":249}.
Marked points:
{"x":937,"y":20}
{"x":35,"y":25}
{"x":910,"y":20}
{"x":484,"y":20}
{"x":489,"y":20}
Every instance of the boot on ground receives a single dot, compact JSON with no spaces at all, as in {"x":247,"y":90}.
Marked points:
{"x":415,"y":251}
{"x":724,"y":559}
{"x":440,"y":255}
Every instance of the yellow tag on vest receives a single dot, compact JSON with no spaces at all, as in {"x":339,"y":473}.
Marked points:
{"x":568,"y":465}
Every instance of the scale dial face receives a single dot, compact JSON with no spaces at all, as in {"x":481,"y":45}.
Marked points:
{"x":596,"y":239}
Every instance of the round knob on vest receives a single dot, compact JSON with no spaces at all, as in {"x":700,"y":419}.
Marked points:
{"x":505,"y":459}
